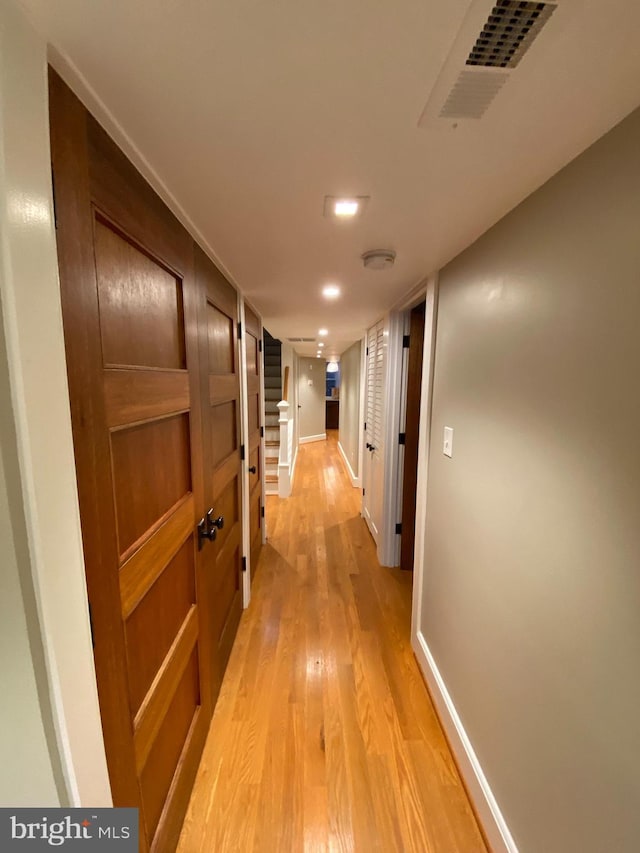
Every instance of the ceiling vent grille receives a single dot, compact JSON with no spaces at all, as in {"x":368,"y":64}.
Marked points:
{"x":472,"y":93}
{"x":492,"y":41}
{"x":301,"y":340}
{"x":508,"y":33}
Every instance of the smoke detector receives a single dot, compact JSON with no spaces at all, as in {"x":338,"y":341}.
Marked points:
{"x":379,"y":259}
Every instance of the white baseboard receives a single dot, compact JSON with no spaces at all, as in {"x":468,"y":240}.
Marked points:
{"x":293,"y":464}
{"x":307,"y":439}
{"x":355,"y":480}
{"x":487,"y":808}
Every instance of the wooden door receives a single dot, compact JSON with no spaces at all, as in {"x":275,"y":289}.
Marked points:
{"x":372,"y":502}
{"x":253,"y":356}
{"x":129,"y":305}
{"x":223,"y":470}
{"x":412,"y":429}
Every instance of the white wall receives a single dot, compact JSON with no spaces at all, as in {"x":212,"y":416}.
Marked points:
{"x":30,"y":766}
{"x":531,"y":588}
{"x":350,"y":409}
{"x":39,"y":409}
{"x":311,"y":397}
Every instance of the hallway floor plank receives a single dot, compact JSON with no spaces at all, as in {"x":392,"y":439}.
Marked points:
{"x":324,"y":737}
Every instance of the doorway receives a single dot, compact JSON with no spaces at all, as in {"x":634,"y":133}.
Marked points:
{"x":411,"y":435}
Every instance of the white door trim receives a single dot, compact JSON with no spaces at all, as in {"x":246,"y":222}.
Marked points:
{"x":424,"y":437}
{"x":244,"y":439}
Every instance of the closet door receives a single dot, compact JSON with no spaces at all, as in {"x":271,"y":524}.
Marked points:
{"x":130,"y":312}
{"x":220,"y":391}
{"x":372,"y":503}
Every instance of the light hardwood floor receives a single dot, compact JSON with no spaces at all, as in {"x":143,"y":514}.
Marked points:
{"x":324,"y":737}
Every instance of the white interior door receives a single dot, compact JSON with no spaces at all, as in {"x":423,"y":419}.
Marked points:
{"x":372,"y":502}
{"x":311,"y":398}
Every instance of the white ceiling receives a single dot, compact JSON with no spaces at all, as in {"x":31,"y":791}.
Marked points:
{"x":250,"y":112}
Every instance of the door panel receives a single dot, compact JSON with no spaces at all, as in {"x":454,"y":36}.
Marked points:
{"x":372,"y":504}
{"x":143,"y":491}
{"x":130,"y":320}
{"x":254,"y":450}
{"x":151,"y":331}
{"x":222,"y":463}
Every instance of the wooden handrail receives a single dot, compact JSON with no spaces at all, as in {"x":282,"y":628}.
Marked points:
{"x":285,"y":390}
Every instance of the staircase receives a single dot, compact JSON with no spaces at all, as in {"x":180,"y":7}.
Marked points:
{"x":272,"y":396}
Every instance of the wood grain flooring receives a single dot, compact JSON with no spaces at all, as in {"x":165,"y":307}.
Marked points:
{"x":324,"y":737}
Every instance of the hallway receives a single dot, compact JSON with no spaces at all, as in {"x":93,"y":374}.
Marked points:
{"x":324,"y":737}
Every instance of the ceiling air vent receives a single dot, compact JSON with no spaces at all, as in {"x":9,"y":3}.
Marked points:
{"x":492,"y":40}
{"x":508,"y":33}
{"x":301,"y":340}
{"x":472,"y":93}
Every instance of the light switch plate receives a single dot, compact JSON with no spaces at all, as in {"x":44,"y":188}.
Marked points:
{"x":447,"y":447}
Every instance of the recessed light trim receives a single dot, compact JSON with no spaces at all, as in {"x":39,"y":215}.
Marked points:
{"x":321,"y":344}
{"x":323,"y":333}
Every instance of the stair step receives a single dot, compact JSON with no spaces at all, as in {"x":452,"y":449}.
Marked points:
{"x":271,"y":478}
{"x":272,"y":444}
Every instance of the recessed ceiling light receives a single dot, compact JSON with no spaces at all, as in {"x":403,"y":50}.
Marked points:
{"x":323,"y":333}
{"x":320,"y":344}
{"x":331,"y":291}
{"x":345,"y":208}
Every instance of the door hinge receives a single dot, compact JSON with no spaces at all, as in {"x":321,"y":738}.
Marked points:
{"x":260,"y":345}
{"x":367,"y":351}
{"x":399,"y":528}
{"x":405,"y":341}
{"x":93,"y":639}
{"x":239,"y":330}
{"x":244,"y":564}
{"x":242,"y":452}
{"x":363,"y":493}
{"x":261,"y":512}
{"x":365,"y":426}
{"x":261,"y":432}
{"x":402,"y":437}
